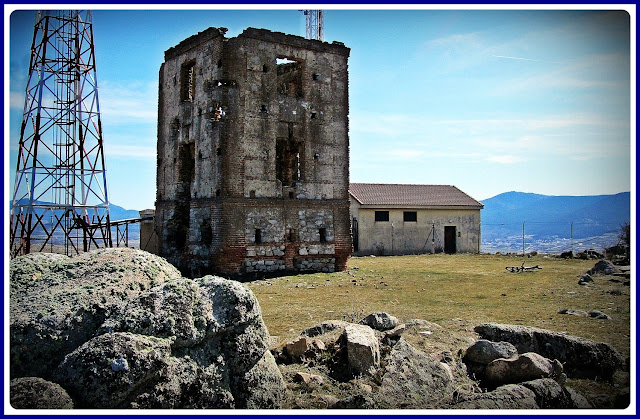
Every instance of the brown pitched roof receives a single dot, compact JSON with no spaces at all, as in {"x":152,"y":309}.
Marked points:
{"x":411,"y":195}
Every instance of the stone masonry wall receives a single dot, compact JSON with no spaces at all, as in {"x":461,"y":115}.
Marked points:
{"x":253,"y":154}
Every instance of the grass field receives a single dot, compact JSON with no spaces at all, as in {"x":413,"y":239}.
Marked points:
{"x":448,"y":289}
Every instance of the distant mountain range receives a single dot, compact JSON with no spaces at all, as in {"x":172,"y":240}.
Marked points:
{"x":547,"y":221}
{"x":550,"y":218}
{"x":119,"y":213}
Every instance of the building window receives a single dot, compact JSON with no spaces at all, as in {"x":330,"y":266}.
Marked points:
{"x":288,"y":161}
{"x":206,"y":235}
{"x":410,"y":216}
{"x":323,"y":235}
{"x":258,"y":237}
{"x":382,"y":216}
{"x":187,"y":81}
{"x":289,"y":73}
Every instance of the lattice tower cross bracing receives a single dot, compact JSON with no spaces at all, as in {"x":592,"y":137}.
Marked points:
{"x":60,"y":192}
{"x":315,"y":24}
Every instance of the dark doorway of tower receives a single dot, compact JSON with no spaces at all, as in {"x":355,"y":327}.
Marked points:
{"x":450,"y":239}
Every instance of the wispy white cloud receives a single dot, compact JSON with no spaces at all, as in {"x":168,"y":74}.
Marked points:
{"x":498,"y":140}
{"x":506,"y":159}
{"x":590,"y":72}
{"x":406,"y":154}
{"x":16,"y":100}
{"x":460,"y":40}
{"x":119,"y":102}
{"x":126,"y":103}
{"x":131,"y":151}
{"x":525,"y":59}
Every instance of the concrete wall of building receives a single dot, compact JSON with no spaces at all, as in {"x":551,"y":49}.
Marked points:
{"x":425,"y":235}
{"x":148,"y":236}
{"x":253,"y":135}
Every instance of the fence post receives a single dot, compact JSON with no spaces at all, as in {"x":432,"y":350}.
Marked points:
{"x":571,"y":237}
{"x":523,"y":238}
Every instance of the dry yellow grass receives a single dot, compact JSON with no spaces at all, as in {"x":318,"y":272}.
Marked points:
{"x":441,"y":288}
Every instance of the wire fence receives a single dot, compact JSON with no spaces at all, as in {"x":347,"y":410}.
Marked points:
{"x":549,"y":237}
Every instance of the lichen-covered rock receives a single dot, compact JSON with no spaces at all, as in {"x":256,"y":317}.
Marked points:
{"x":57,"y":303}
{"x":510,"y":396}
{"x":380,"y":321}
{"x":36,"y":393}
{"x":146,"y":338}
{"x":111,"y":370}
{"x":219,"y":345}
{"x":264,"y":387}
{"x":413,"y":380}
{"x":581,"y":358}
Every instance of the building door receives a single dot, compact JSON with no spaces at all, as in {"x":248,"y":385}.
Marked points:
{"x":450,"y":239}
{"x":354,"y":232}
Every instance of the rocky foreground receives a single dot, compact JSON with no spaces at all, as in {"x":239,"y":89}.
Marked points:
{"x":120,"y":328}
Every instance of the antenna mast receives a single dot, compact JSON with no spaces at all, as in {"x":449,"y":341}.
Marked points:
{"x":315,"y":24}
{"x":60,"y":195}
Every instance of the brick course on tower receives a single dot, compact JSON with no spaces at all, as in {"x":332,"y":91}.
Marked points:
{"x":253,"y":154}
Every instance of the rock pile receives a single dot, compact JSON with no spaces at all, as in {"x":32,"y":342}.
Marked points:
{"x":390,"y":372}
{"x":385,"y":370}
{"x":120,"y":328}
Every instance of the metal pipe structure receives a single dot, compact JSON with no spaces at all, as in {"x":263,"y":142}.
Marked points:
{"x":60,"y":193}
{"x":315,"y":24}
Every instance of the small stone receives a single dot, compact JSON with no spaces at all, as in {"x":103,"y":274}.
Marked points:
{"x":303,"y":377}
{"x":380,"y":321}
{"x":596,"y":314}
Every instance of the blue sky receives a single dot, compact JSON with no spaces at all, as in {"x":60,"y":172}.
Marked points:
{"x":487,"y":100}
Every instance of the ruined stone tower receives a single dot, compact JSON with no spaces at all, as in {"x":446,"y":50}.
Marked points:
{"x":253,"y":154}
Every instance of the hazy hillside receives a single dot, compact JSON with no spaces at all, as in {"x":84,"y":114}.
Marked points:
{"x":549,"y":219}
{"x":119,"y":213}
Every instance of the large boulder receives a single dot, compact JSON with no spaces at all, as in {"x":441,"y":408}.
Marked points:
{"x":57,"y":303}
{"x":110,"y":369}
{"x":36,"y":393}
{"x":413,"y":380}
{"x":170,"y":342}
{"x":581,"y":358}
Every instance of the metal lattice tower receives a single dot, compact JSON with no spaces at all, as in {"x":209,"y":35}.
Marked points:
{"x":60,"y":196}
{"x":315,"y":24}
